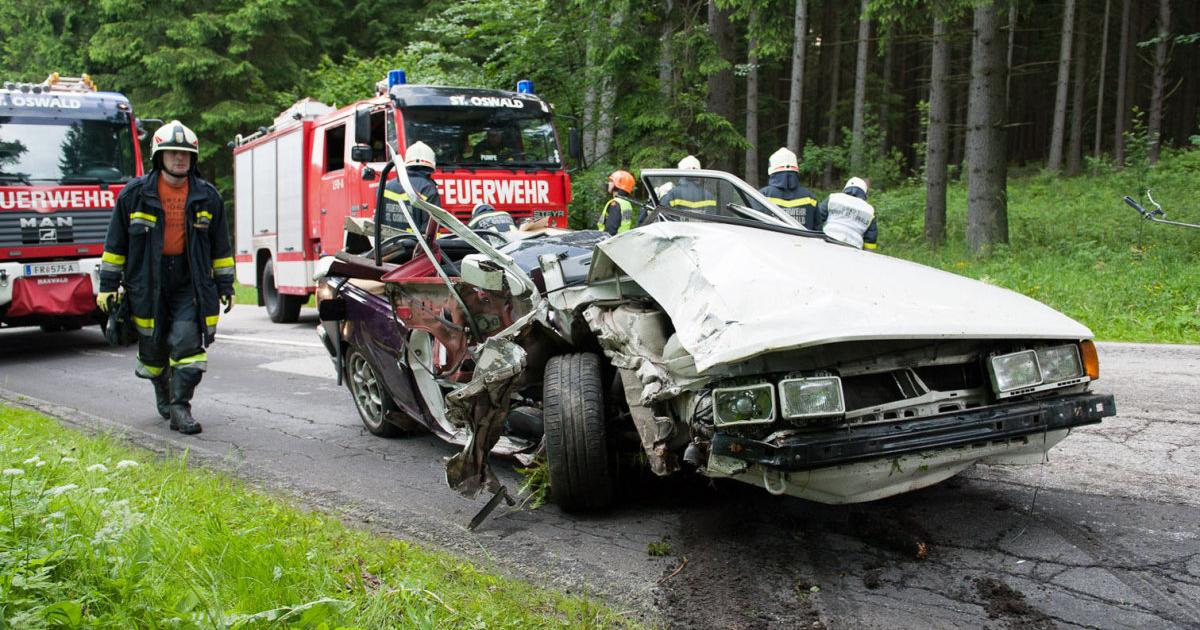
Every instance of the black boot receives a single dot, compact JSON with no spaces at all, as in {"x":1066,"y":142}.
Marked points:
{"x":162,"y":394}
{"x":183,"y":384}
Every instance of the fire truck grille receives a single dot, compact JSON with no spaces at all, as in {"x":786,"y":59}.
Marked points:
{"x":65,"y":227}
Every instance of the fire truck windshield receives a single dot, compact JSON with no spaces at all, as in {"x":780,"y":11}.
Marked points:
{"x":42,"y":151}
{"x":484,"y":137}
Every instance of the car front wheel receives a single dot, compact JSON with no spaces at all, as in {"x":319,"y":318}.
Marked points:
{"x":577,"y":448}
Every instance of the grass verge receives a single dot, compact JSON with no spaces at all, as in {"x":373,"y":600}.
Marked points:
{"x":96,"y":534}
{"x":1077,"y":247}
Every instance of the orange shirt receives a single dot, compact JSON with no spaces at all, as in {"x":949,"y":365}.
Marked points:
{"x":174,"y":201}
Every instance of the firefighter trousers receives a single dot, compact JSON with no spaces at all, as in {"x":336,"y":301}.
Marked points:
{"x":173,"y":354}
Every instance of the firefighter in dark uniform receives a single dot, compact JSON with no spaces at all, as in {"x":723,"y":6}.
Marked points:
{"x":419,"y":163}
{"x":785,"y":191}
{"x":168,"y":243}
{"x":617,"y":215}
{"x":486,"y":217}
{"x":688,"y":194}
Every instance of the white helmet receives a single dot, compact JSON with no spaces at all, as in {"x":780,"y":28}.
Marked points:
{"x":419,"y":154}
{"x":173,"y":136}
{"x":689,"y":163}
{"x":855,"y":182}
{"x":782,"y":160}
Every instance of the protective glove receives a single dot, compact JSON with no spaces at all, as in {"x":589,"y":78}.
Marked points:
{"x":228,"y":301}
{"x":104,"y":300}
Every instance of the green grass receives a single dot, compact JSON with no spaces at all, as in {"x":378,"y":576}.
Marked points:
{"x":249,"y":295}
{"x":96,"y":534}
{"x":1077,"y":247}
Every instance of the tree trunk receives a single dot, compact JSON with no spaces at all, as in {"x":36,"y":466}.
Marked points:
{"x":1054,"y":162}
{"x":608,"y":96}
{"x":720,"y":83}
{"x":795,"y":96}
{"x":1122,"y":73}
{"x":1154,"y":125}
{"x":1075,"y":147}
{"x":666,"y":65}
{"x":752,"y":115}
{"x":1008,"y":59}
{"x":884,"y":99}
{"x":591,"y":72}
{"x":860,"y":90}
{"x":937,"y":139}
{"x":987,"y":206}
{"x":1100,"y":90}
{"x":835,"y":62}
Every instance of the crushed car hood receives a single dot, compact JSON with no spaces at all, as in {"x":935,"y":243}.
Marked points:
{"x":736,"y":292}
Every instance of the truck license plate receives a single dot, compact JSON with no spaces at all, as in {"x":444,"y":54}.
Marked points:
{"x":52,"y":268}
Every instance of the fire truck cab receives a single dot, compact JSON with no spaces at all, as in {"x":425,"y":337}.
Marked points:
{"x":66,"y":150}
{"x":296,"y":182}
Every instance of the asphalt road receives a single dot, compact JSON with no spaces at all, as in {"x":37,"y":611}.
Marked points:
{"x":1106,"y":534}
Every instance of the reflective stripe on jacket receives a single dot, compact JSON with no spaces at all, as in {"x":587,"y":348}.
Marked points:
{"x":785,"y":191}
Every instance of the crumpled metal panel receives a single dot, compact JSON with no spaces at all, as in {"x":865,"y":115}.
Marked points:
{"x":483,"y":405}
{"x":735,"y":292}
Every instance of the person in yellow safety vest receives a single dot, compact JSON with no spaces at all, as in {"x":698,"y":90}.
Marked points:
{"x":688,"y":194}
{"x":486,"y":217}
{"x":785,"y":191}
{"x":419,"y":162}
{"x":617,"y":215}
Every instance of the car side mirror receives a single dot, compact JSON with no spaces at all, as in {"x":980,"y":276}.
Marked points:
{"x":362,"y":126}
{"x":361,"y":153}
{"x":574,"y":146}
{"x":368,"y":174}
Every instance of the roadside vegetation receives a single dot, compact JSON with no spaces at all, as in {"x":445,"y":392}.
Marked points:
{"x":1076,"y":246}
{"x":95,"y":534}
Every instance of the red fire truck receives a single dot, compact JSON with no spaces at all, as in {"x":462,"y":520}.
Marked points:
{"x":296,"y":181}
{"x":66,"y":150}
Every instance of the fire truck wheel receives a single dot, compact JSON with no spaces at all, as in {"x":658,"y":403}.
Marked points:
{"x":375,"y":406}
{"x":283,"y":309}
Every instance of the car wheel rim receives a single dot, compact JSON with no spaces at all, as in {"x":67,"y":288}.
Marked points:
{"x":367,"y":394}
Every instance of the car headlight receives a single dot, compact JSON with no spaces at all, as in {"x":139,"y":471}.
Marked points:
{"x":1015,"y":371}
{"x":1059,"y":363}
{"x":808,"y":397}
{"x":753,"y":404}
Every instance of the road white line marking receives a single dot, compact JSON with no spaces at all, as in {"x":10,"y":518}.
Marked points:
{"x":318,"y":367}
{"x":269,"y":342}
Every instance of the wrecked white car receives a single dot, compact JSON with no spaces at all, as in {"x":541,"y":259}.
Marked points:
{"x":725,"y":340}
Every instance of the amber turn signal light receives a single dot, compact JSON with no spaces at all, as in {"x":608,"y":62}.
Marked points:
{"x":1091,"y":361}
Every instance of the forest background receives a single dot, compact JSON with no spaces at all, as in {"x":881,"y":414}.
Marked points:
{"x":937,"y":102}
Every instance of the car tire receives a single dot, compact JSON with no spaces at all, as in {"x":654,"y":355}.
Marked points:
{"x":577,"y":448}
{"x":375,"y":406}
{"x":281,"y":308}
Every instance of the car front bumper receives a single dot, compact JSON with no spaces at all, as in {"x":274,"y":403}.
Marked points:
{"x":975,"y":428}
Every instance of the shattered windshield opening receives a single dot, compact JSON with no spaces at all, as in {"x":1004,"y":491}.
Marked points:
{"x":704,"y":198}
{"x":484,"y":137}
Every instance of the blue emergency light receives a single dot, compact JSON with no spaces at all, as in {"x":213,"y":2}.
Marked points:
{"x":396,"y":77}
{"x":525,"y":86}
